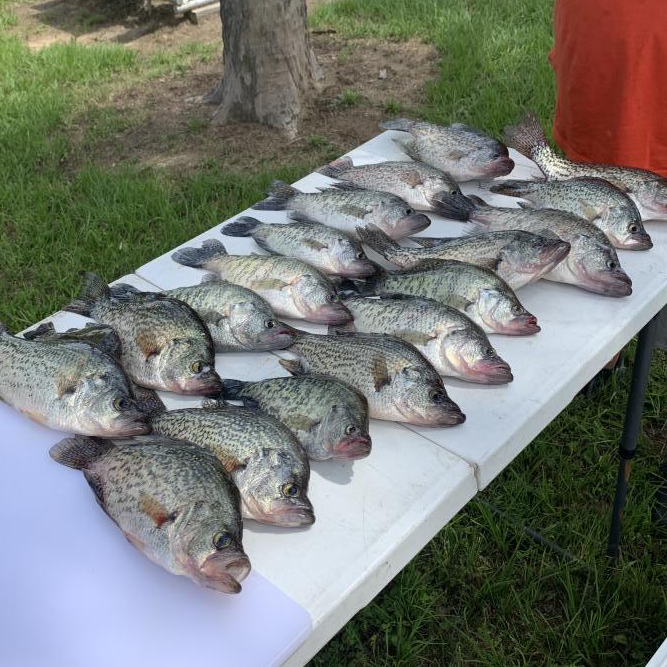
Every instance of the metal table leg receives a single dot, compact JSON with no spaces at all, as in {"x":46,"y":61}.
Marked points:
{"x":633,"y":415}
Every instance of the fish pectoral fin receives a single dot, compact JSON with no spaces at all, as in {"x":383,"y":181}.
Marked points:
{"x":293,"y":366}
{"x":155,"y":510}
{"x":134,"y":541}
{"x":148,"y":343}
{"x":230,"y":463}
{"x":315,"y":244}
{"x":380,"y":373}
{"x":268,"y":284}
{"x":301,"y":217}
{"x":354,"y":211}
{"x":456,"y":154}
{"x":415,"y":337}
{"x":211,"y":316}
{"x":66,"y":385}
{"x":411,"y":178}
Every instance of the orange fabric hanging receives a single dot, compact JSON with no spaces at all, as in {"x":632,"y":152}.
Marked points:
{"x":610,"y":61}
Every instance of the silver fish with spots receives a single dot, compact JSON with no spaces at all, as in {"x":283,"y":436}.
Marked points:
{"x":291,"y":287}
{"x":399,"y":383}
{"x":594,"y":199}
{"x":329,"y":418}
{"x":477,"y":292}
{"x":462,"y":151}
{"x":346,"y":207}
{"x":173,"y":501}
{"x":330,"y":250}
{"x":164,"y":343}
{"x":592,"y":263}
{"x":519,"y":258}
{"x":261,"y":454}
{"x":649,"y":188}
{"x":420,"y":185}
{"x":452,"y":342}
{"x":68,"y":385}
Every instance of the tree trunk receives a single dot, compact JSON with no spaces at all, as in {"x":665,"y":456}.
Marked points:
{"x":270,"y":69}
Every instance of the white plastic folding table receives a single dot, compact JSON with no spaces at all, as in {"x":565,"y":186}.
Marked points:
{"x":96,"y":601}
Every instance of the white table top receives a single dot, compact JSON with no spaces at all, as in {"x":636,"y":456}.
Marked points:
{"x":659,"y":658}
{"x":373,"y":516}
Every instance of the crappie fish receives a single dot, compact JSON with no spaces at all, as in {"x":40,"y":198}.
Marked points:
{"x":399,"y":383}
{"x":237,"y":318}
{"x":329,"y":418}
{"x":173,"y":501}
{"x":263,"y":457}
{"x":331,"y":251}
{"x":164,"y":343}
{"x":527,"y":137}
{"x":346,"y":207}
{"x":291,"y":287}
{"x":592,"y":263}
{"x":462,"y":151}
{"x":69,"y":386}
{"x":452,"y":342}
{"x":477,"y":292}
{"x":517,"y":257}
{"x":423,"y":187}
{"x":598,"y":201}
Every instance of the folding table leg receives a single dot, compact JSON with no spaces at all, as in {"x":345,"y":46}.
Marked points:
{"x":633,"y":415}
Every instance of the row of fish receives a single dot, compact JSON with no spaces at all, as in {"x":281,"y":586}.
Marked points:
{"x":180,"y":489}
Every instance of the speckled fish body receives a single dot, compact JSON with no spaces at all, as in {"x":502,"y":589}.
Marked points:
{"x":649,"y":188}
{"x":329,"y":417}
{"x":290,"y":286}
{"x":172,"y":501}
{"x":399,"y":383}
{"x":594,"y":199}
{"x":346,"y":207}
{"x":462,"y":151}
{"x":452,"y":342}
{"x":329,"y":250}
{"x":68,"y":385}
{"x":164,"y":343}
{"x":263,"y":456}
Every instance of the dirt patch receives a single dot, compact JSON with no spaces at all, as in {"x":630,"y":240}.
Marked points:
{"x":365,"y":81}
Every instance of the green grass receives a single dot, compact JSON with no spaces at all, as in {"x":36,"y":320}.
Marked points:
{"x":481,"y":593}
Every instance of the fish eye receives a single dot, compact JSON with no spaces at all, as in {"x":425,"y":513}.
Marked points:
{"x":409,"y":211}
{"x":454,"y":192}
{"x":197,"y":367}
{"x":494,"y":156}
{"x":290,"y":490}
{"x":489,"y":352}
{"x":436,"y":395}
{"x":270,"y":324}
{"x":351,"y":429}
{"x":222,"y":540}
{"x":122,"y":403}
{"x":360,"y":255}
{"x":517,"y":309}
{"x":633,"y":228}
{"x":331,"y":297}
{"x":611,"y":264}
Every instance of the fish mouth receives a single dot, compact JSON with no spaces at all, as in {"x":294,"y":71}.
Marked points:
{"x":522,"y":325}
{"x":501,"y":166}
{"x":128,"y":425}
{"x":277,"y":338}
{"x":207,"y":382}
{"x":223,"y":571}
{"x":610,"y":283}
{"x":442,"y":414}
{"x":290,"y":514}
{"x":410,"y":224}
{"x":359,"y":268}
{"x":330,"y":313}
{"x":491,"y":371}
{"x":352,"y":448}
{"x":639,"y":241}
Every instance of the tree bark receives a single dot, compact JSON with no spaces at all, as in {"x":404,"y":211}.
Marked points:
{"x":270,"y":69}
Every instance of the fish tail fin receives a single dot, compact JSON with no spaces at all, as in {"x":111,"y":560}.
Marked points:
{"x":427,"y":241}
{"x":333,"y":169}
{"x":459,"y":207}
{"x":526,"y":136}
{"x":123,"y":289}
{"x":341,"y":328}
{"x":278,"y":200}
{"x":94,"y":288}
{"x":232,"y":388}
{"x":376,"y":239}
{"x":147,"y":400}
{"x":293,"y":366}
{"x":44,"y":329}
{"x":4,"y":330}
{"x":243,"y":226}
{"x":401,"y":124}
{"x":510,"y":187}
{"x":79,"y":452}
{"x":197,"y":257}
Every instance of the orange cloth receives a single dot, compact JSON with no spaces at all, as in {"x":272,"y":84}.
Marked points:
{"x":610,"y":60}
